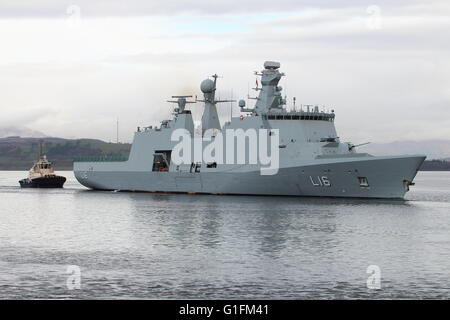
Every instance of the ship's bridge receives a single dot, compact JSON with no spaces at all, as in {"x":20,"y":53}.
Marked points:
{"x":317,"y":116}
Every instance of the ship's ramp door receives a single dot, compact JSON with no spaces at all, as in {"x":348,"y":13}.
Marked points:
{"x":161,"y":160}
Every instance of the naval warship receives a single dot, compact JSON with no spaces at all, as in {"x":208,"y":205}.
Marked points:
{"x":311,"y":159}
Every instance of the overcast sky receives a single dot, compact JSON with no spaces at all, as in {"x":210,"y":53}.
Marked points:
{"x":71,"y":68}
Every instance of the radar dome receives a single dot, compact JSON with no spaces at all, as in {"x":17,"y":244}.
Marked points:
{"x":271,"y":65}
{"x":207,"y":86}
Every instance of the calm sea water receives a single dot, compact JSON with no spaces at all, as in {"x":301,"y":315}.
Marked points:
{"x":157,"y":246}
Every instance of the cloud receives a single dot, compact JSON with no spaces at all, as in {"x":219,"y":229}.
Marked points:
{"x":57,"y":8}
{"x":24,"y":115}
{"x":385,"y":83}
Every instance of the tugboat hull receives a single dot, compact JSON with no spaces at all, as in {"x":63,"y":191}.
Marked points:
{"x":43,"y":182}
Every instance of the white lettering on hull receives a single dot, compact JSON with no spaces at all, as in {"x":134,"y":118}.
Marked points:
{"x":320,"y":181}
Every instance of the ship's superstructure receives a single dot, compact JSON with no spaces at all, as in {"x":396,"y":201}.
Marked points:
{"x":310,"y":158}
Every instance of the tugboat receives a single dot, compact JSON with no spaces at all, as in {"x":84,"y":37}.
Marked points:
{"x":42,"y":175}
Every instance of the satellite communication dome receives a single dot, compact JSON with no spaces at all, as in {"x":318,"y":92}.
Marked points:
{"x":207,"y":86}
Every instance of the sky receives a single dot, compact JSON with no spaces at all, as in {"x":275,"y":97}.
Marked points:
{"x":72,"y":68}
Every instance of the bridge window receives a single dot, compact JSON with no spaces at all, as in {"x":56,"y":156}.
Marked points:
{"x":317,"y":117}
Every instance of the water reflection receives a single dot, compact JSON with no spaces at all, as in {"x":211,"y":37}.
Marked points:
{"x":139,"y":245}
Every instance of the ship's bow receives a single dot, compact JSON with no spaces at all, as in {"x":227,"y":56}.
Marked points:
{"x":389,"y":177}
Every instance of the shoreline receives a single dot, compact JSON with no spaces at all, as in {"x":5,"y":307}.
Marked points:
{"x":71,"y":169}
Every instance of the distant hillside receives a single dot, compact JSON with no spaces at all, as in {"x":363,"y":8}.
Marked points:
{"x":434,"y":149}
{"x":436,"y":165}
{"x":20,"y":153}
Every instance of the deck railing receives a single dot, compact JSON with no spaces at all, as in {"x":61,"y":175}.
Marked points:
{"x":100,"y":159}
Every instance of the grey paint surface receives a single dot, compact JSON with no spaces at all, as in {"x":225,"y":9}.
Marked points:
{"x":310,"y":165}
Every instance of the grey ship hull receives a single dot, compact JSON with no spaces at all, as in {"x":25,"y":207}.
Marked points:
{"x":312,"y":159}
{"x":388,"y":177}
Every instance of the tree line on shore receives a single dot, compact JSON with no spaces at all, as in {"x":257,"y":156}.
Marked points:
{"x":20,"y":153}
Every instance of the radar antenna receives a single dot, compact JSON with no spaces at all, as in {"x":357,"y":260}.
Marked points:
{"x":208,"y":88}
{"x":181,"y":101}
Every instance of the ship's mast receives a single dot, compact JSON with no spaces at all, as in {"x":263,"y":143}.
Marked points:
{"x":40,"y":149}
{"x":117,"y":131}
{"x":210,"y":118}
{"x":181,"y":102}
{"x":270,"y":97}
